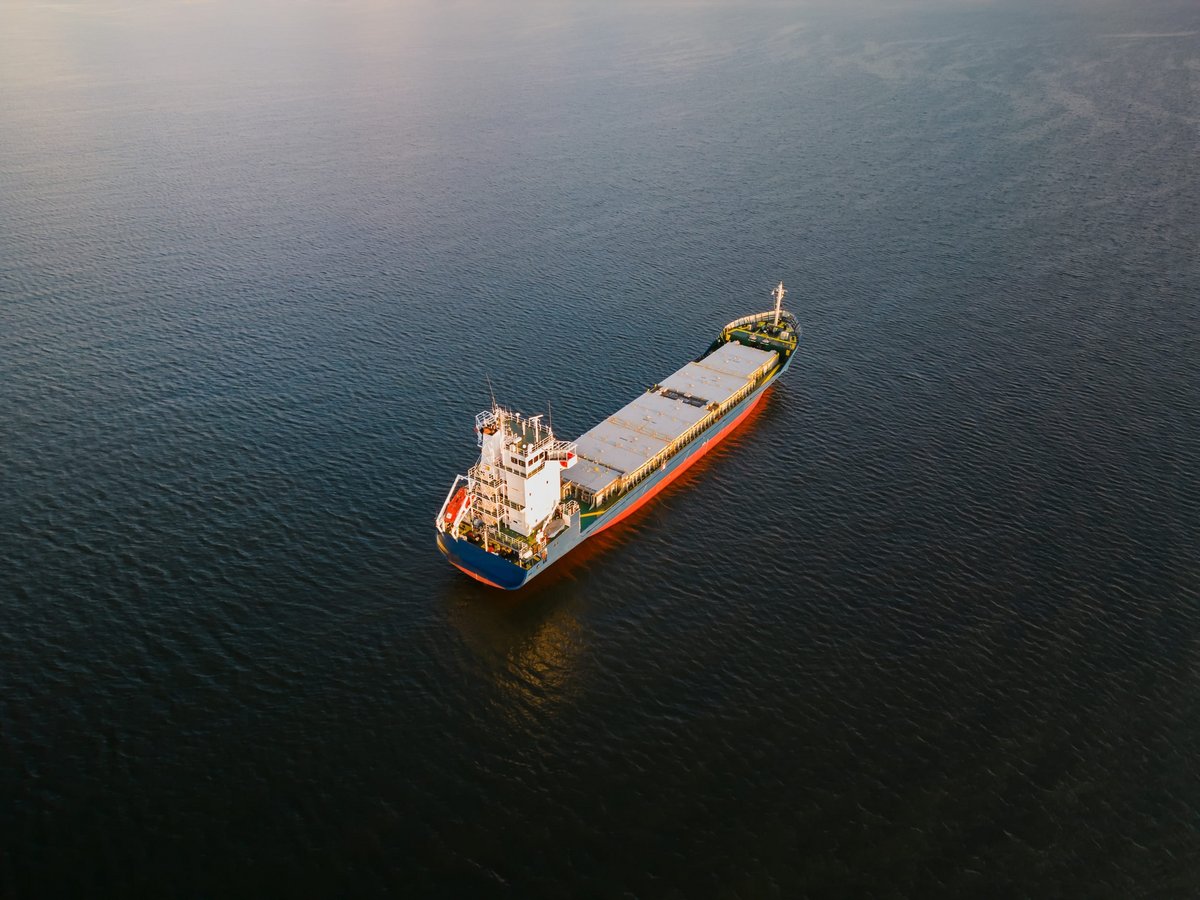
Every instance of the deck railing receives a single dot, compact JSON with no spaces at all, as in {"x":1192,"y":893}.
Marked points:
{"x":784,"y":315}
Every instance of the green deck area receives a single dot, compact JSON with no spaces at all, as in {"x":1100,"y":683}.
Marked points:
{"x":526,"y":433}
{"x":588,"y":514}
{"x":761,"y":333}
{"x":762,"y":341}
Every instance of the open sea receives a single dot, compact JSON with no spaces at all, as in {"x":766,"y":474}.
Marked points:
{"x":927,"y":626}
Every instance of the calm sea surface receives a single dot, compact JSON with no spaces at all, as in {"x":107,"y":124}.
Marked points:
{"x":927,"y":626}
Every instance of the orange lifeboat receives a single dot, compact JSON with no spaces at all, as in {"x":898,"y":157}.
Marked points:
{"x":454,"y":507}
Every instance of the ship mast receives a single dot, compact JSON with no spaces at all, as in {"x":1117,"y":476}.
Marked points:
{"x":778,"y":292}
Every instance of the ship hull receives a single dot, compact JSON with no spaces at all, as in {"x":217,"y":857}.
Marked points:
{"x":500,"y":573}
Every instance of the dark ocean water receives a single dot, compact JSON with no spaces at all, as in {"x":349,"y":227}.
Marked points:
{"x":927,"y":626}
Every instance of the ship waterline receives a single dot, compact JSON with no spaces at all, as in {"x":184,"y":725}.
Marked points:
{"x":532,"y":498}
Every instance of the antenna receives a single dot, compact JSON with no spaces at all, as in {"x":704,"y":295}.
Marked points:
{"x":550,"y":417}
{"x":491,"y":392}
{"x":778,"y":292}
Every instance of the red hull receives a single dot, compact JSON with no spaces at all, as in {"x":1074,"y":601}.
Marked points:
{"x":649,"y":495}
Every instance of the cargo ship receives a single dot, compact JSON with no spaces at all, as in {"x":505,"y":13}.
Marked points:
{"x":532,"y":498}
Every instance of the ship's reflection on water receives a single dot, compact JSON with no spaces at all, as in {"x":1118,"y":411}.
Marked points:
{"x":527,"y":643}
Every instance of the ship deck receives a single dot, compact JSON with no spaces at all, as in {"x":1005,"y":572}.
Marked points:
{"x":652,"y":427}
{"x":588,"y":513}
{"x":762,"y":341}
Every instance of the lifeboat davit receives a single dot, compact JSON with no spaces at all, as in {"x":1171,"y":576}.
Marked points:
{"x":454,"y":507}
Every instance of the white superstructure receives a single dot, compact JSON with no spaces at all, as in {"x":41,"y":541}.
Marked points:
{"x":515,"y":489}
